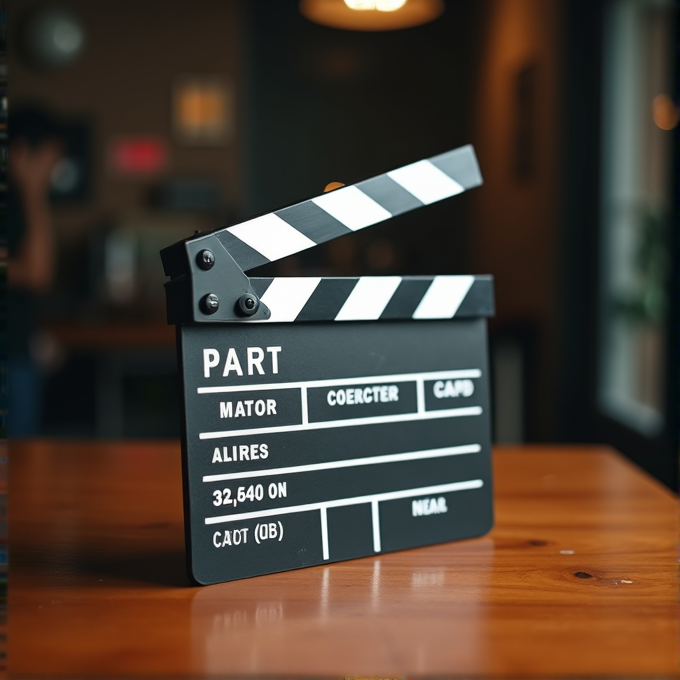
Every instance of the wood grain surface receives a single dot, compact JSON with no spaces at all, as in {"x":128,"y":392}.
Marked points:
{"x":578,"y":577}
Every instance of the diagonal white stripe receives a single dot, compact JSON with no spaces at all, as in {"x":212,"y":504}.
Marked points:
{"x":271,"y":236}
{"x":426,"y":182}
{"x":286,"y":297}
{"x":352,"y":207}
{"x":369,"y":298}
{"x":443,"y":297}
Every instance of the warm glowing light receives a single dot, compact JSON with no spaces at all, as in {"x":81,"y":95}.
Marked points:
{"x":202,"y":110}
{"x":665,"y":112}
{"x":371,"y":15}
{"x":332,"y":186}
{"x":380,"y":5}
{"x":389,"y":5}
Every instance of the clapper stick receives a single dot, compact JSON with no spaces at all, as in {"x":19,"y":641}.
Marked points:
{"x":193,"y":294}
{"x":350,"y":208}
{"x":307,"y":441}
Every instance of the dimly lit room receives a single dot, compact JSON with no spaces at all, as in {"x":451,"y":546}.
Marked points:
{"x":437,"y":236}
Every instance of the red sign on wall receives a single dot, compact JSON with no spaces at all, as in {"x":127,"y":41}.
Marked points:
{"x":139,"y":155}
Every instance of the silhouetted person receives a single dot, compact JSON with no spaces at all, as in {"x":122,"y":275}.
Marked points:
{"x":33,"y":152}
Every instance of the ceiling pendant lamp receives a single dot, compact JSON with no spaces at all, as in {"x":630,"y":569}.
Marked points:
{"x":371,"y":15}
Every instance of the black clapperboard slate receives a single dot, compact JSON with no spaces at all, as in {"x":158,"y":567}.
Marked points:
{"x":329,"y":418}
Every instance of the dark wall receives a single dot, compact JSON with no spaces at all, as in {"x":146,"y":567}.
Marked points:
{"x":327,"y":105}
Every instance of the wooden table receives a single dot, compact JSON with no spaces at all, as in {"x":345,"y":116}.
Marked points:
{"x":579,"y":577}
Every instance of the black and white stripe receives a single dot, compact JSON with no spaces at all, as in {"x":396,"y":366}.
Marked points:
{"x":369,"y":298}
{"x":290,"y":230}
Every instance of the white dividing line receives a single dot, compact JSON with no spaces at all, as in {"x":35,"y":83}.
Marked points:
{"x":324,"y":532}
{"x":349,"y":422}
{"x":305,"y":409}
{"x":341,"y":502}
{"x":353,"y":462}
{"x":375,"y":517}
{"x":420,"y":396}
{"x":367,"y":380}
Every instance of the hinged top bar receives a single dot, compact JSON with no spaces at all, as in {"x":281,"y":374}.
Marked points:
{"x":208,"y":283}
{"x":298,"y":227}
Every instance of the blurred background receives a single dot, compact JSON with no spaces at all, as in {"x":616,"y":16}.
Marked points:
{"x":168,"y":116}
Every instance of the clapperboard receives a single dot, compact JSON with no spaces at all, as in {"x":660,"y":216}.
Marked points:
{"x":329,"y":418}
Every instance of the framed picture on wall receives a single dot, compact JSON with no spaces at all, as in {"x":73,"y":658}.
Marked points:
{"x":203,"y":110}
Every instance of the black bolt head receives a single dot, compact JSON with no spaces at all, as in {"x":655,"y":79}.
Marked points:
{"x":205,"y":259}
{"x":248,"y":304}
{"x":210,"y":303}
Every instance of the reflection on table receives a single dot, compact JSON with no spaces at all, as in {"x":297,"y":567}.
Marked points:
{"x":578,"y":577}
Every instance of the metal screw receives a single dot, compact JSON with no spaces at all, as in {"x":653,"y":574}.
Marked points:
{"x":205,"y":259}
{"x":248,"y":304}
{"x":210,"y":303}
